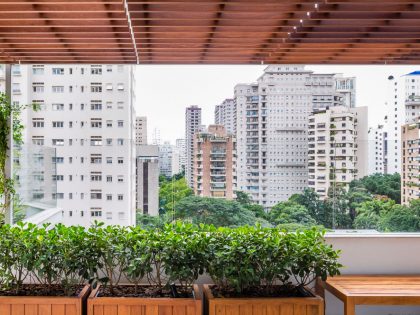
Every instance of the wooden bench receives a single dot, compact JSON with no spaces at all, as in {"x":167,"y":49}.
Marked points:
{"x":355,"y":290}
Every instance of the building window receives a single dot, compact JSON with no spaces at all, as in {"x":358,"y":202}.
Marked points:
{"x":38,"y":87}
{"x":58,"y":124}
{"x":58,"y":196}
{"x":96,"y":69}
{"x":95,"y":212}
{"x":95,"y":194}
{"x":38,"y":122}
{"x":38,"y":69}
{"x":120,"y":178}
{"x":120,"y":87}
{"x":120,"y":160}
{"x":96,"y":176}
{"x":120,"y":105}
{"x":109,"y":141}
{"x":58,"y":89}
{"x":95,"y":105}
{"x":96,"y":141}
{"x":96,"y":159}
{"x":120,"y":197}
{"x":58,"y":142}
{"x":120,"y":141}
{"x":57,"y":107}
{"x":38,"y":140}
{"x":96,"y":123}
{"x":109,"y":160}
{"x":58,"y":178}
{"x":59,"y":71}
{"x":96,"y":87}
{"x":120,"y":123}
{"x":58,"y":160}
{"x":109,"y":123}
{"x":109,"y":197}
{"x":109,"y":179}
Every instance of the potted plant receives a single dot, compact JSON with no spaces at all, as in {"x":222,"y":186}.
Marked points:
{"x":169,"y":260}
{"x":43,"y":269}
{"x":265,"y":271}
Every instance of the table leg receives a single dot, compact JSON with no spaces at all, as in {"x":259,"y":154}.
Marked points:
{"x":349,"y":307}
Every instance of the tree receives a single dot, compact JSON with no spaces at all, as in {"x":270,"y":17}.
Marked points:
{"x":369,"y":213}
{"x":381,"y":184}
{"x":337,"y":209}
{"x":244,"y":199}
{"x":171,"y":192}
{"x":219,"y":212}
{"x":400,"y":219}
{"x":289,"y":212}
{"x":311,"y":201}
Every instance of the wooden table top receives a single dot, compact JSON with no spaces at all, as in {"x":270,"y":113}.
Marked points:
{"x":371,"y":286}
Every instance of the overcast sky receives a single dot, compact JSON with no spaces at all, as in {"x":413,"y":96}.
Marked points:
{"x":164,"y":91}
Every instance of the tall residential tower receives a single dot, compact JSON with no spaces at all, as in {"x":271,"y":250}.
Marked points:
{"x":192,"y":126}
{"x":86,"y":114}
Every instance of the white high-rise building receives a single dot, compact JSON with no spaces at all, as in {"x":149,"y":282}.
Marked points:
{"x":272,"y":125}
{"x":376,"y":149}
{"x":141,"y":130}
{"x":156,"y":140}
{"x":165,"y":159}
{"x":181,"y":154}
{"x":86,"y":114}
{"x":192,"y":126}
{"x":403,"y":107}
{"x":225,"y":114}
{"x":338,"y":148}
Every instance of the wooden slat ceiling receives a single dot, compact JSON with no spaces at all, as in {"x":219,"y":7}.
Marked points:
{"x":210,"y":31}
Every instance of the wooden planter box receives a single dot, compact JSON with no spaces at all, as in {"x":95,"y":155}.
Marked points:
{"x":144,"y":306}
{"x":262,"y":306}
{"x":44,"y":305}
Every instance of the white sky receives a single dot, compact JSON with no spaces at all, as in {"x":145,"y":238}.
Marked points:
{"x":164,"y":91}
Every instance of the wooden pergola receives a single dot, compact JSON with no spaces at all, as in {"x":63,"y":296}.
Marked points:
{"x":210,"y":31}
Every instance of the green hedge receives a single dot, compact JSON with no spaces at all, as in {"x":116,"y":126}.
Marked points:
{"x":235,"y":258}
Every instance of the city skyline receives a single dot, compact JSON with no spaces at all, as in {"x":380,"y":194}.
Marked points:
{"x":207,"y":86}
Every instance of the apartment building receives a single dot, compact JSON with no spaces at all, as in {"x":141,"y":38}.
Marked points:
{"x":403,"y":107}
{"x":179,"y":158}
{"x":156,"y":139}
{"x":87,"y":115}
{"x":377,"y":143}
{"x":192,"y":126}
{"x":346,"y":87}
{"x":225,"y":114}
{"x":147,"y":166}
{"x":338,"y":148}
{"x":214,"y":163}
{"x":141,"y":130}
{"x":165,"y":159}
{"x":410,"y":180}
{"x":272,"y":125}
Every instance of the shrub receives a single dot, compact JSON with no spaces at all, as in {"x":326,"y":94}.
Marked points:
{"x":253,"y":256}
{"x":237,"y":259}
{"x":52,"y":256}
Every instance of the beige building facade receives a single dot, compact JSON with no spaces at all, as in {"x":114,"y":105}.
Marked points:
{"x":410,"y":144}
{"x":214,"y":160}
{"x":337,"y":148}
